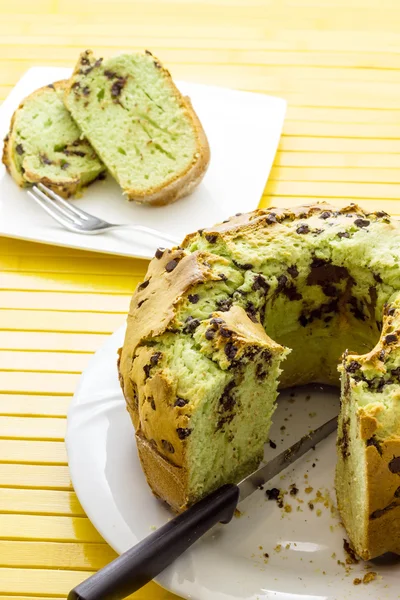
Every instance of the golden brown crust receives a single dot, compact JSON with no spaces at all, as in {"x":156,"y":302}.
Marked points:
{"x":166,"y":480}
{"x":182,"y":185}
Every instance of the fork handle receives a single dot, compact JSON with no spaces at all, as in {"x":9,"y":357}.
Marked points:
{"x":150,"y":231}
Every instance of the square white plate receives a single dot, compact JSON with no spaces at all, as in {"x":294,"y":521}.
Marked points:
{"x":243,"y":130}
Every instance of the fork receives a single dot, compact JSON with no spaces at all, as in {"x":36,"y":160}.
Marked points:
{"x":79,"y":221}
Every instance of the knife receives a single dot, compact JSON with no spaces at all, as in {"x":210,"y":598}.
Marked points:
{"x":139,"y":565}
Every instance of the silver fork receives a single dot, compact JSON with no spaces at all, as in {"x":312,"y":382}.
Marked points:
{"x":79,"y":221}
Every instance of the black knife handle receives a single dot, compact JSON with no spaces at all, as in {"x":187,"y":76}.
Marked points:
{"x":139,"y":565}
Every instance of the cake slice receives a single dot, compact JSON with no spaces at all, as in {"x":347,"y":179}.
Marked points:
{"x":368,"y":468}
{"x":144,"y":130}
{"x":45,"y":145}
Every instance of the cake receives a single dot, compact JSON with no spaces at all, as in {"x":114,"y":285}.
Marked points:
{"x":45,"y":145}
{"x":144,"y":130}
{"x":276,"y":295}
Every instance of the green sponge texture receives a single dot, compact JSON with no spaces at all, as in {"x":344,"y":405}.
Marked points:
{"x":127,"y":109}
{"x":46,"y":143}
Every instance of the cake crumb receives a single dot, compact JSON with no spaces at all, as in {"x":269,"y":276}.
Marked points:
{"x":237,"y":513}
{"x":312,"y":414}
{"x":333,"y":555}
{"x":308,"y":490}
{"x":287,"y":547}
{"x":368,"y":577}
{"x":278,"y":548}
{"x":266,"y":555}
{"x":357,"y":581}
{"x":311,"y":506}
{"x":319,"y":512}
{"x":288,"y":508}
{"x":293,"y":489}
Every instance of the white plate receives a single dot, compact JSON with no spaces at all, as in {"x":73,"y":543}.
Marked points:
{"x":243,"y":130}
{"x":229,"y":561}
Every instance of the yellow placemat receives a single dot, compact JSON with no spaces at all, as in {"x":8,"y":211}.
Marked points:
{"x":336,"y":62}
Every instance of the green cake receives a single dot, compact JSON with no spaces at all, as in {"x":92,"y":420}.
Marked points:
{"x":144,"y":130}
{"x":45,"y":145}
{"x":209,"y":328}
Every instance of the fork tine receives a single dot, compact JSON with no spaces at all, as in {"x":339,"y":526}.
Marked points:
{"x":69,"y":205}
{"x":49,"y":207}
{"x":54,"y":204}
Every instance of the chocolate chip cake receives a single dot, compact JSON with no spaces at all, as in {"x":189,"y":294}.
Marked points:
{"x":144,"y":130}
{"x":276,"y":297}
{"x":44,"y":145}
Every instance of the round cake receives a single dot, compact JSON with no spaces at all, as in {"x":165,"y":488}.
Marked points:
{"x":263,"y":301}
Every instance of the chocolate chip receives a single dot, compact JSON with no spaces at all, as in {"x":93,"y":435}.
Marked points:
{"x":378,"y":278}
{"x":303,"y":320}
{"x":245,"y":266}
{"x":273,"y":494}
{"x":98,"y":62}
{"x":390,"y":338}
{"x":293,"y":489}
{"x":193,"y":298}
{"x":260,"y":283}
{"x":19,"y":149}
{"x":51,"y":86}
{"x":325,"y":215}
{"x":361,"y":222}
{"x":391,"y":312}
{"x":146,"y":370}
{"x":272,"y":444}
{"x":209,"y":334}
{"x":65,"y":165}
{"x":86,"y":90}
{"x":226,"y":333}
{"x":222,"y":276}
{"x":381,"y":355}
{"x":45,"y":159}
{"x":191,"y":325}
{"x":224,"y":305}
{"x":373,"y":441}
{"x":183,"y":432}
{"x":343,"y":234}
{"x":230,"y":350}
{"x":303,"y":229}
{"x":293,"y":271}
{"x":381,"y":511}
{"x":144,"y":284}
{"x":353,"y":366}
{"x":394,"y":465}
{"x":167,"y":446}
{"x":148,"y":52}
{"x":381,"y":214}
{"x":110,"y":74}
{"x":159,"y":253}
{"x":329,"y":290}
{"x":216,"y":321}
{"x":117,"y":87}
{"x":152,"y":403}
{"x":84,"y":60}
{"x":170,"y":266}
{"x":181,"y":402}
{"x":271,"y":218}
{"x":155,"y":358}
{"x":211,"y":238}
{"x":397,"y":493}
{"x":142,"y":302}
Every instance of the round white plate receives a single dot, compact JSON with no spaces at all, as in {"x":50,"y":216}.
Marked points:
{"x":305,"y":546}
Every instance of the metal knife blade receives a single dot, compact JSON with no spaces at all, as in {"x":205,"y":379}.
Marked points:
{"x":252,"y":482}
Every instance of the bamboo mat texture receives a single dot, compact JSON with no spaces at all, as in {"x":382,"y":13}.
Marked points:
{"x":337,"y":64}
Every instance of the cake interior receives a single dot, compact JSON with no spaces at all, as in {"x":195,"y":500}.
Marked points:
{"x":46,"y":143}
{"x":129,"y":112}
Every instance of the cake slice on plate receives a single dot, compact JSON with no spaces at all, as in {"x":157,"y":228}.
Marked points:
{"x":144,"y":130}
{"x":45,"y":145}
